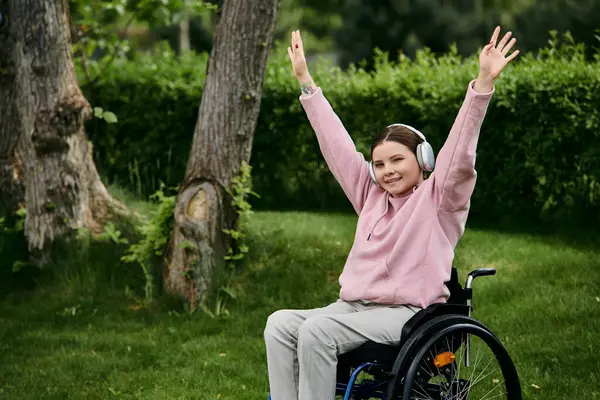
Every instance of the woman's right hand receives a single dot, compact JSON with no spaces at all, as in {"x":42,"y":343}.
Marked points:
{"x":296,"y":53}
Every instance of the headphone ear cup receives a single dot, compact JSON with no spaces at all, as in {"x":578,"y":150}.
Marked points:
{"x":425,"y":157}
{"x":372,"y":173}
{"x":420,"y":156}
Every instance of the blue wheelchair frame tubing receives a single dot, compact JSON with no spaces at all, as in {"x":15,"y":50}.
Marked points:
{"x":369,"y":391}
{"x":366,"y":390}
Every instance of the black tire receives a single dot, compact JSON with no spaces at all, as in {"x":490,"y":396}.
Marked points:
{"x":456,"y":327}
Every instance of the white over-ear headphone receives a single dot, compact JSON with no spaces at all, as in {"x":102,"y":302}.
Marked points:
{"x":425,"y":155}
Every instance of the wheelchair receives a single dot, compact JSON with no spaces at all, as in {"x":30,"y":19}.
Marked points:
{"x":438,"y":357}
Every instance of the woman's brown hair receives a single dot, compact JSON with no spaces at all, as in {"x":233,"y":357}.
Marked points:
{"x":398,"y":134}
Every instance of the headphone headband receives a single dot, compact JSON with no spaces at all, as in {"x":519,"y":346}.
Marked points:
{"x":410,"y":128}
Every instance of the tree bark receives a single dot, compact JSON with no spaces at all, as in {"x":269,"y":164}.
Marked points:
{"x":222,"y":141}
{"x":12,"y":189}
{"x":62,"y":188}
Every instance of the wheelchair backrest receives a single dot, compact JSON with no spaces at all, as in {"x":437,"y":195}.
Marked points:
{"x":458,"y":295}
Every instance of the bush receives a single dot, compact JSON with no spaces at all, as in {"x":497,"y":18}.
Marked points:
{"x":538,"y":154}
{"x":156,"y":99}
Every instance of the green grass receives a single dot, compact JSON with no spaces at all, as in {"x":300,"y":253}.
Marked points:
{"x":85,"y":338}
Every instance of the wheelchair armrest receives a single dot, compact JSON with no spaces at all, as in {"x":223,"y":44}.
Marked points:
{"x":477,"y":273}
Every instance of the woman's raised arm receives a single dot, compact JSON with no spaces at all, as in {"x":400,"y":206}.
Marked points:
{"x":347,"y":165}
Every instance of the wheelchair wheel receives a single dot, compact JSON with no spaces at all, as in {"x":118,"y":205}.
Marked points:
{"x":439,"y":369}
{"x":413,"y":344}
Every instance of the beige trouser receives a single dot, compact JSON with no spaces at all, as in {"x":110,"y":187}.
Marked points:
{"x":303,"y":345}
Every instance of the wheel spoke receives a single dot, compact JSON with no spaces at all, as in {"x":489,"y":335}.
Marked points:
{"x":485,"y":397}
{"x":482,"y":375}
{"x":424,"y":393}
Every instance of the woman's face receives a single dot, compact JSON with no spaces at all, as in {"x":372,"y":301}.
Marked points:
{"x":396,"y":168}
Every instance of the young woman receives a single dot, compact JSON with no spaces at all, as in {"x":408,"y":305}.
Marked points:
{"x":408,"y":227}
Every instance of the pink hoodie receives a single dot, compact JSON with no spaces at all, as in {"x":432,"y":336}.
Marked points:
{"x":409,"y":253}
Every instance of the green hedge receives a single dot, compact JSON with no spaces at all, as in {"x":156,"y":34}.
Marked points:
{"x":539,"y":151}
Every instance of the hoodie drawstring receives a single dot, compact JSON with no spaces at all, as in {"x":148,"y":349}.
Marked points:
{"x":387,"y":206}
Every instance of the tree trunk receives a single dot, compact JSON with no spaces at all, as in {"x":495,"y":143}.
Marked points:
{"x":12,"y":190}
{"x":222,"y":141}
{"x":184,"y":35}
{"x":48,"y":152}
